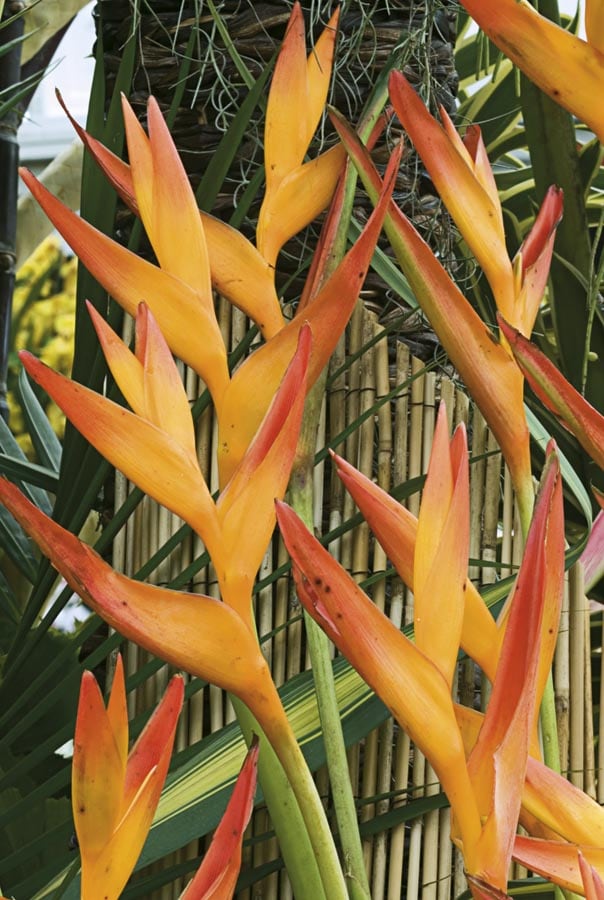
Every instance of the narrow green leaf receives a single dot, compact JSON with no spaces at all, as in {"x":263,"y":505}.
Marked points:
{"x":45,"y":441}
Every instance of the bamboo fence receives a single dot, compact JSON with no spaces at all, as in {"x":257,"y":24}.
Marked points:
{"x":379,"y":412}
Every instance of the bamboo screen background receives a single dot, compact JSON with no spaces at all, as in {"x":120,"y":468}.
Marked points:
{"x":395,"y":397}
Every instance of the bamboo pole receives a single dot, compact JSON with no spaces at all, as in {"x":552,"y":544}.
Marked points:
{"x":360,"y":561}
{"x":562,"y":680}
{"x":577,"y":610}
{"x":589,"y":761}
{"x":402,"y":748}
{"x":386,"y":731}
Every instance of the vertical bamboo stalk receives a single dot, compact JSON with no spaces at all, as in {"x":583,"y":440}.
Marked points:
{"x":577,"y":675}
{"x":507,"y":525}
{"x":402,"y":748}
{"x":491,"y":509}
{"x":562,"y":681}
{"x":386,"y":731}
{"x":477,"y":488}
{"x":589,"y":762}
{"x":445,"y":857}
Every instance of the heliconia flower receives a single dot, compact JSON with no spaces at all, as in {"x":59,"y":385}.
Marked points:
{"x":486,"y":368}
{"x":196,"y":633}
{"x":216,"y":878}
{"x":462,"y":175}
{"x":555,"y":392}
{"x":396,"y":530}
{"x":485,"y":794}
{"x":592,"y":882}
{"x":409,"y":683}
{"x":563,"y":65}
{"x":179,"y":292}
{"x":237,"y":269}
{"x":296,"y":192}
{"x":115,"y":794}
{"x":189,"y":328}
{"x":202,"y":635}
{"x":154,"y":446}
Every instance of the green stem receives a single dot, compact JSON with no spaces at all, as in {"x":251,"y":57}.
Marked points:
{"x":301,"y":495}
{"x":268,"y":709}
{"x":549,"y":727}
{"x":294,"y":841}
{"x":525,"y":497}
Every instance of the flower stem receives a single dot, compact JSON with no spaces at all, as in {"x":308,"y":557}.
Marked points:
{"x":279,"y":732}
{"x":293,"y":835}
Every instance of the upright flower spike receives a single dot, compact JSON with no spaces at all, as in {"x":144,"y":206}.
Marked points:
{"x":409,"y":683}
{"x":161,"y":462}
{"x":462,"y":175}
{"x":560,"y":397}
{"x":237,"y":270}
{"x":216,"y":878}
{"x":296,"y":192}
{"x":396,"y":530}
{"x":484,"y":365}
{"x":564,"y":66}
{"x":115,"y":795}
{"x":485,"y":794}
{"x":154,"y":446}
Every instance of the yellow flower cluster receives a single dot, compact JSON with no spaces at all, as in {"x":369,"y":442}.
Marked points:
{"x":43,"y":321}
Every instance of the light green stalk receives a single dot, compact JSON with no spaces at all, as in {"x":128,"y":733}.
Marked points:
{"x":301,"y":492}
{"x":294,"y":841}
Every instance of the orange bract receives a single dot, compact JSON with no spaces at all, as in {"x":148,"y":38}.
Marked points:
{"x":114,"y":795}
{"x":414,"y":681}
